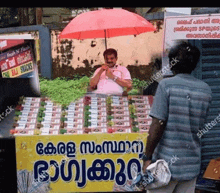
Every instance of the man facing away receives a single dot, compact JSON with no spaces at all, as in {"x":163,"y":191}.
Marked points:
{"x":179,"y":110}
{"x":111,"y":77}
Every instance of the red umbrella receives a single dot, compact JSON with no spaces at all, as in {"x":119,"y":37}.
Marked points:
{"x":106,"y":23}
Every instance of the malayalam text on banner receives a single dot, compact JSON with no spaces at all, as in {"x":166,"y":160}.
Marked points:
{"x":79,"y":163}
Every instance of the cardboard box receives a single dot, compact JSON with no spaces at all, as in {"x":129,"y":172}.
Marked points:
{"x":213,"y":170}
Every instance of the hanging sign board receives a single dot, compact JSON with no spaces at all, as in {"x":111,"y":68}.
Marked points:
{"x":193,"y":27}
{"x":187,"y":28}
{"x":17,"y":63}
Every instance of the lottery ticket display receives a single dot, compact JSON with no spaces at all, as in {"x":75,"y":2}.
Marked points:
{"x":112,"y":114}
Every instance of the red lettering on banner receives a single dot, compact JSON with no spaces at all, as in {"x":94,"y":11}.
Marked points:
{"x":14,"y":72}
{"x":201,"y":21}
{"x":215,"y":20}
{"x":184,"y":21}
{"x":24,"y":57}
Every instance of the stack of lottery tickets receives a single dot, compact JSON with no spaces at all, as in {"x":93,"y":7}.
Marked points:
{"x":114,"y":114}
{"x":74,"y":117}
{"x":27,"y":120}
{"x":51,"y":120}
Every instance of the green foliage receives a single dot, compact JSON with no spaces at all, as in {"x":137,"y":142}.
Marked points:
{"x":110,"y":123}
{"x":134,"y":91}
{"x":39,"y":119}
{"x":87,"y":107}
{"x":64,"y":107}
{"x":62,"y":119}
{"x":87,"y":113}
{"x":42,"y":109}
{"x":109,"y":117}
{"x":135,"y":129}
{"x":133,"y":116}
{"x":136,"y":83}
{"x":64,"y":90}
{"x":16,"y":118}
{"x":109,"y":100}
{"x":17,"y":113}
{"x":62,"y":131}
{"x":42,"y":103}
{"x":41,"y":114}
{"x":132,"y":109}
{"x":63,"y":114}
{"x":21,"y":102}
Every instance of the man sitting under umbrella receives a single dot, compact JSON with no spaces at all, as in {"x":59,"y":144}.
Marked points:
{"x":110,"y":78}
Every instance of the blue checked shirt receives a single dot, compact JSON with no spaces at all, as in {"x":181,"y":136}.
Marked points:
{"x":183,"y":101}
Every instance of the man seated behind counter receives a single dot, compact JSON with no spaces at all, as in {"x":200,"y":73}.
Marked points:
{"x":110,"y":78}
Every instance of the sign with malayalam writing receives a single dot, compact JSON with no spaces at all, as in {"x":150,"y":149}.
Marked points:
{"x":187,"y":28}
{"x":17,"y":62}
{"x":193,"y":27}
{"x":77,"y":163}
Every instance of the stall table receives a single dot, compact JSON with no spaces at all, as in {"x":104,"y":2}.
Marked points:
{"x":91,"y":145}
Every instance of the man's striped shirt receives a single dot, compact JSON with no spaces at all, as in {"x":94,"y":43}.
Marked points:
{"x":183,"y":102}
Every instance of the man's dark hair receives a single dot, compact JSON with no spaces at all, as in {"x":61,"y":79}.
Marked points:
{"x":183,"y":58}
{"x":110,"y":51}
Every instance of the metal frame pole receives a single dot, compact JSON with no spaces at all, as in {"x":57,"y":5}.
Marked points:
{"x":105,"y":39}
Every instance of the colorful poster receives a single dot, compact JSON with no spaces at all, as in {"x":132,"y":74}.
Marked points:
{"x":17,"y":62}
{"x":77,"y":163}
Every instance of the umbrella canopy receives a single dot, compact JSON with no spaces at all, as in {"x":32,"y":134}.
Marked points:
{"x":106,"y":23}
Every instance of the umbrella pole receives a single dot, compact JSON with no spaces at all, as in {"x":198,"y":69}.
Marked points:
{"x":105,"y":40}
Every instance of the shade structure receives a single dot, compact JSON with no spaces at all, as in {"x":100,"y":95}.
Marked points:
{"x":106,"y":23}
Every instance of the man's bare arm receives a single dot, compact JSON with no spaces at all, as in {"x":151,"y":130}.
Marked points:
{"x":155,"y":133}
{"x":94,"y":81}
{"x":124,"y":83}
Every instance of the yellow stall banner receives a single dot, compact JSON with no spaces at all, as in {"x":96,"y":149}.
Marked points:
{"x":77,"y":163}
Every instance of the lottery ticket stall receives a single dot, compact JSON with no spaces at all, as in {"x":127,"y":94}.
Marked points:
{"x":92,"y":145}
